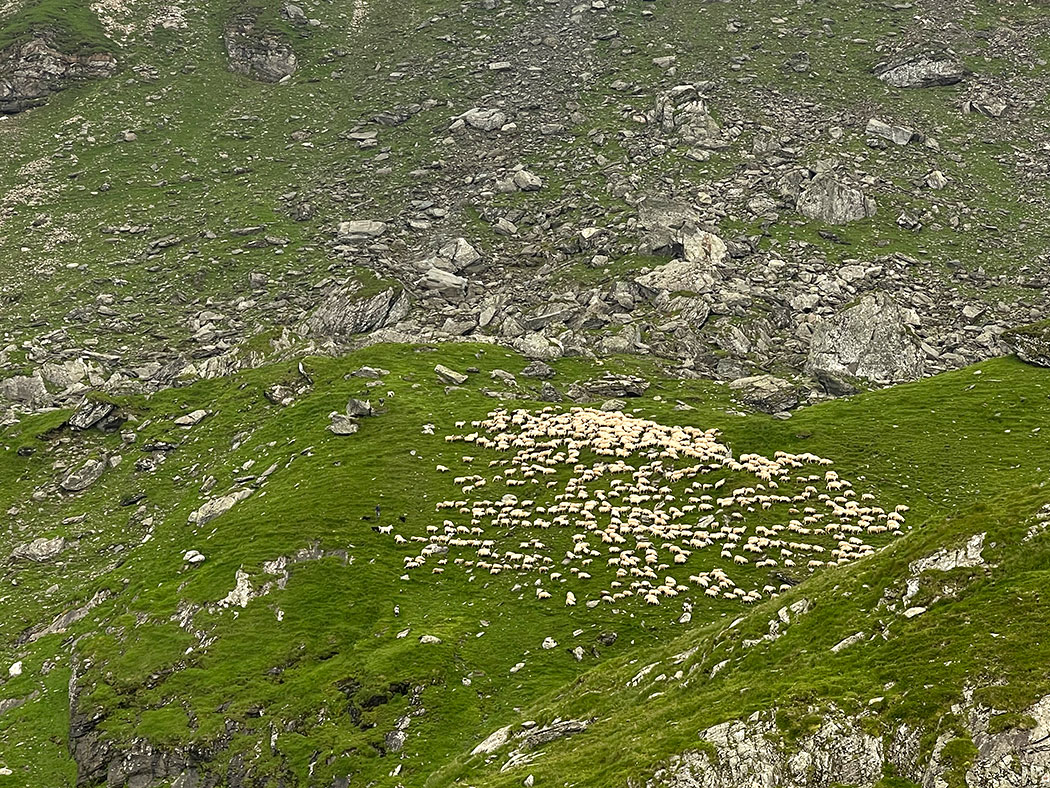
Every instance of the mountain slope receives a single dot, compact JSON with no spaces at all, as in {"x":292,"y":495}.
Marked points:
{"x":298,"y":604}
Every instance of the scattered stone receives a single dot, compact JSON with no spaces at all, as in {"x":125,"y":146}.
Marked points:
{"x":429,"y":640}
{"x":341,"y":424}
{"x":191,"y":419}
{"x":766,"y":393}
{"x":39,"y":550}
{"x":82,"y":478}
{"x":357,"y":407}
{"x":449,"y":376}
{"x":922,"y":71}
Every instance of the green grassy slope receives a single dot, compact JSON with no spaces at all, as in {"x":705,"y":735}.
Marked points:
{"x":309,"y":679}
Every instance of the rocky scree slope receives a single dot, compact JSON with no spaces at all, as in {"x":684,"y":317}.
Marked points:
{"x":716,"y":185}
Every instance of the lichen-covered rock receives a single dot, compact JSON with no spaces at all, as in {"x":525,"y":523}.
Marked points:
{"x":33,"y":70}
{"x":345,"y":313}
{"x":923,"y":70}
{"x":39,"y":550}
{"x":260,"y":54}
{"x":1031,"y":343}
{"x":869,"y":341}
{"x":766,"y":393}
{"x":683,"y":111}
{"x":831,"y":201}
{"x":84,"y":476}
{"x":843,"y":751}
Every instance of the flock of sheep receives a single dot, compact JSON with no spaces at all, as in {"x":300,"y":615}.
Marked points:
{"x":644,"y":504}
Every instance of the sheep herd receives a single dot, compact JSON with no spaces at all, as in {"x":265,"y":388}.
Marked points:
{"x":640,"y":510}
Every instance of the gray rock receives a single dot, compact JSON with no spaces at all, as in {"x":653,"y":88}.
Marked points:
{"x":484,"y":119}
{"x":217,"y":506}
{"x":82,"y":478}
{"x":537,"y":369}
{"x":766,"y":393}
{"x":527,"y":182}
{"x":25,"y":389}
{"x":345,"y":313}
{"x":450,"y":376}
{"x":39,"y":550}
{"x":922,"y":71}
{"x":260,"y":54}
{"x":870,"y":341}
{"x":360,"y":230}
{"x":90,"y":413}
{"x":357,"y":407}
{"x":833,"y":202}
{"x":458,"y":256}
{"x":679,"y":276}
{"x":936,"y":180}
{"x":33,"y":70}
{"x":609,"y":387}
{"x":191,"y":419}
{"x":444,"y":283}
{"x":900,"y":135}
{"x":1031,"y":343}
{"x":341,"y":424}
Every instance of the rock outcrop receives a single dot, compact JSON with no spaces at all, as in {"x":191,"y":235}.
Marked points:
{"x":870,"y":341}
{"x":260,"y":54}
{"x":32,"y":71}
{"x":345,"y":313}
{"x":829,"y":200}
{"x":844,"y":751}
{"x":923,"y":70}
{"x":1031,"y":343}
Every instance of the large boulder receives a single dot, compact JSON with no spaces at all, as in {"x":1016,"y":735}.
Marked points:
{"x":678,"y":276}
{"x":445,"y":283}
{"x":39,"y":550}
{"x":924,"y":70}
{"x":1031,"y":343}
{"x":345,"y":313}
{"x":84,"y":476}
{"x":831,"y":201}
{"x":766,"y":393}
{"x":25,"y":390}
{"x":260,"y":54}
{"x":33,"y":70}
{"x":683,"y":111}
{"x":869,"y":341}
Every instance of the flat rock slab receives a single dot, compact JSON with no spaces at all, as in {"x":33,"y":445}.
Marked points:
{"x":82,"y":478}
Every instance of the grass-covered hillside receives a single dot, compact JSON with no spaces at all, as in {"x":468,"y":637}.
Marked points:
{"x":520,"y":392}
{"x":301,"y":650}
